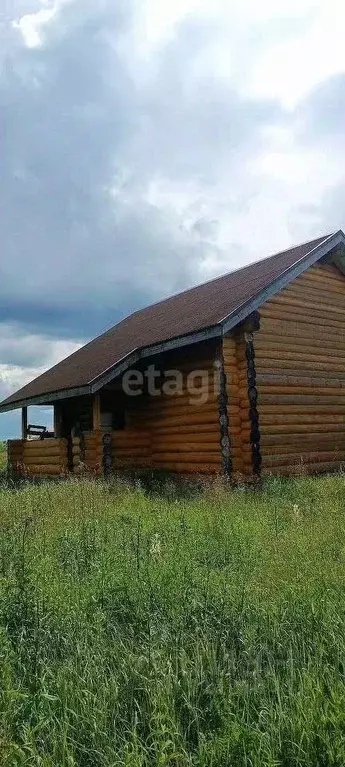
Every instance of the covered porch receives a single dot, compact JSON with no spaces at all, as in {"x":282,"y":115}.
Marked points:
{"x":89,"y":435}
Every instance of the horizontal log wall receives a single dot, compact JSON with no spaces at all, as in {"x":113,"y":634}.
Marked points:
{"x":174,"y":431}
{"x":300,"y":366}
{"x":131,"y":448}
{"x":46,"y":457}
{"x":15,"y":454}
{"x":235,"y":367}
{"x":87,"y":452}
{"x":184,"y":426}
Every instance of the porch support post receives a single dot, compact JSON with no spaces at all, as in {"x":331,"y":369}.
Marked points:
{"x":24,"y":422}
{"x":57,"y":420}
{"x":96,"y":413}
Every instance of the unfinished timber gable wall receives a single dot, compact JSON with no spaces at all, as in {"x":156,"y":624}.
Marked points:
{"x":171,"y":430}
{"x":300,"y":374}
{"x":185,"y":428}
{"x":175,"y":431}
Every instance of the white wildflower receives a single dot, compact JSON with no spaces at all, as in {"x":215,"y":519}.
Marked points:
{"x":155,"y":548}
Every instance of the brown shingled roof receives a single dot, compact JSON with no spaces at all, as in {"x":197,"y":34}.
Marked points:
{"x":204,"y":306}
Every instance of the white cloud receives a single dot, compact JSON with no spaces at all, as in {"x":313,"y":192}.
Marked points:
{"x":289,"y":70}
{"x":151,"y":145}
{"x":31,"y":25}
{"x":23,"y":356}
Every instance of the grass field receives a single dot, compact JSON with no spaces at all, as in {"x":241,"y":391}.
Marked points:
{"x":140,"y":630}
{"x":3,"y":455}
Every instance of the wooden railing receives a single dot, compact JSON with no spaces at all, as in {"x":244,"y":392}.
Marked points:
{"x":128,"y":448}
{"x":42,"y":457}
{"x":87,"y":452}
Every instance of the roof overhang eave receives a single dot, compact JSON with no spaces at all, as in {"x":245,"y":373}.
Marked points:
{"x":45,"y":399}
{"x":113,"y":372}
{"x":335,"y":242}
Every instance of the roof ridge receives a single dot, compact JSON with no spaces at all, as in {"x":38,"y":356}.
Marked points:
{"x":226,"y":274}
{"x":194,"y":287}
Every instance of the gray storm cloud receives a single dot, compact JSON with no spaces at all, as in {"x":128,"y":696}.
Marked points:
{"x":86,"y":136}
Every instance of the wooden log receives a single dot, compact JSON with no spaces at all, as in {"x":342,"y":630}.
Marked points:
{"x":318,"y":277}
{"x":192,"y":437}
{"x":197,"y":457}
{"x":310,"y":468}
{"x":297,"y":329}
{"x":317,"y":284}
{"x":15,"y":447}
{"x":45,"y":443}
{"x":192,"y":448}
{"x":127,"y":439}
{"x":45,"y":470}
{"x":295,"y":314}
{"x":300,"y":399}
{"x":307,"y":391}
{"x":49,"y":460}
{"x":93,"y":458}
{"x":281,"y":345}
{"x":133,"y":431}
{"x":302,"y":428}
{"x":45,"y":451}
{"x":306,"y":418}
{"x":189,"y":468}
{"x":307,"y":307}
{"x":208,"y":428}
{"x":131,"y":441}
{"x":313,"y":294}
{"x":39,"y":447}
{"x":93,"y":434}
{"x":312,"y":457}
{"x":198,"y":419}
{"x":132,"y":452}
{"x":289,"y":367}
{"x":284,"y":378}
{"x":132,"y":461}
{"x":303,"y":357}
{"x":279,"y":408}
{"x":182,"y":403}
{"x":186,"y":400}
{"x":303,"y":446}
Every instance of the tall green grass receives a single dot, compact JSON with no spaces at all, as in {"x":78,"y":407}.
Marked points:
{"x":3,"y":456}
{"x":140,"y":630}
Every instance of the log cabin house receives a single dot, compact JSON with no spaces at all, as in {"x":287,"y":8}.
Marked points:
{"x":259,"y":388}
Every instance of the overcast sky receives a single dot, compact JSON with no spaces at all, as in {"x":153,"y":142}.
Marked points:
{"x":151,"y":144}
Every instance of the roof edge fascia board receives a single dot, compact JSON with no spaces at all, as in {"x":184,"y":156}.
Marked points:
{"x":215,"y":331}
{"x":46,"y":399}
